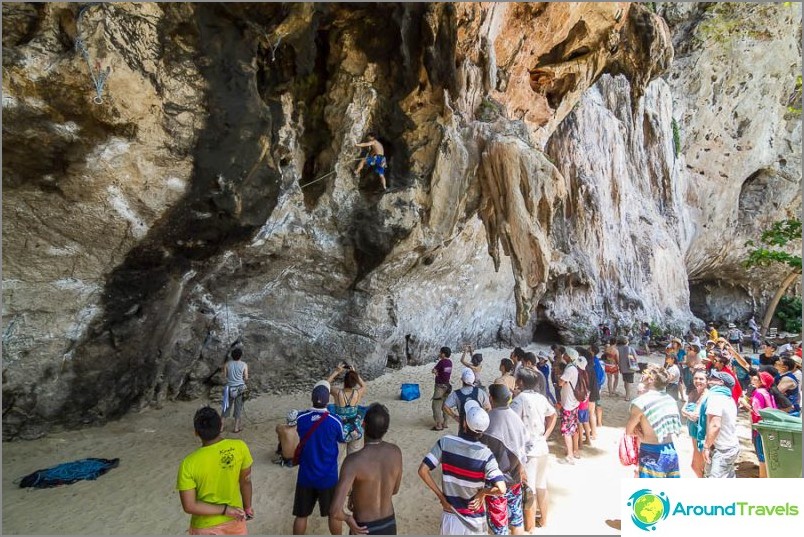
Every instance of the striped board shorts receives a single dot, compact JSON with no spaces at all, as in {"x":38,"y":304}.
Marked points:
{"x":658,"y":460}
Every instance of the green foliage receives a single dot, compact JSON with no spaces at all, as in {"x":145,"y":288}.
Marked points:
{"x":676,"y":138}
{"x":656,"y":331}
{"x":794,"y":101}
{"x":774,"y":241}
{"x":789,"y":312}
{"x":489,"y":110}
{"x":724,"y":21}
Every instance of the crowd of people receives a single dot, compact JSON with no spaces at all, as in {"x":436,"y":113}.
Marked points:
{"x":493,"y":459}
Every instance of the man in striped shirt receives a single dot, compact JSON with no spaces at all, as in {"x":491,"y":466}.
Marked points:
{"x":655,"y":419}
{"x":469,"y":474}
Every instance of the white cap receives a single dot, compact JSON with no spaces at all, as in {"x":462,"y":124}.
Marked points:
{"x":572,"y":353}
{"x":468,"y":376}
{"x":322,"y":383}
{"x":581,"y":362}
{"x":732,"y":325}
{"x":545,"y":355}
{"x":477,"y":419}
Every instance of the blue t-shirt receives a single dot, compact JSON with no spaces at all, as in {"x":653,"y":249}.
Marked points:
{"x":318,"y":465}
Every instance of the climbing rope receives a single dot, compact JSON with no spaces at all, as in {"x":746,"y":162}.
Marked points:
{"x":305,"y":185}
{"x":273,"y":49}
{"x":96,"y":73}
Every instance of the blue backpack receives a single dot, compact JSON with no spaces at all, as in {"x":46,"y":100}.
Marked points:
{"x":600,"y":373}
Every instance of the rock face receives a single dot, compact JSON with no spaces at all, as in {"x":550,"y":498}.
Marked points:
{"x":537,"y":189}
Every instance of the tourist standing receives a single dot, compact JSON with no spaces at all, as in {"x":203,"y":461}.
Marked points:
{"x":347,"y":405}
{"x":506,"y":438}
{"x":442,"y":372}
{"x":655,"y":419}
{"x":569,"y":406}
{"x":539,"y":418}
{"x":456,"y":401}
{"x":467,"y":466}
{"x":370,"y":478}
{"x":691,"y":411}
{"x":236,"y":373}
{"x":214,"y":481}
{"x":761,"y":398}
{"x":506,"y":374}
{"x":719,"y":428}
{"x":626,"y":359}
{"x":320,"y":432}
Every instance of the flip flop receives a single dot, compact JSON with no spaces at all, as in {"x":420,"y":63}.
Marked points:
{"x":434,"y":428}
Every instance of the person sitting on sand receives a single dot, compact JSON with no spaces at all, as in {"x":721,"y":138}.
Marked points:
{"x":655,"y":419}
{"x":288,"y":438}
{"x":236,"y":374}
{"x":370,"y":477}
{"x":442,"y":389}
{"x":456,"y":401}
{"x":539,"y":418}
{"x":375,"y":159}
{"x":467,"y":467}
{"x":506,"y":377}
{"x":320,"y":433}
{"x":347,"y":401}
{"x":214,"y":481}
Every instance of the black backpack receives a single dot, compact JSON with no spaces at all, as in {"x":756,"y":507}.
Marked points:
{"x":463,"y":398}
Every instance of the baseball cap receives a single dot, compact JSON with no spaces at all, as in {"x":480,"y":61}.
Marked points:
{"x":727,"y":379}
{"x":572,"y":353}
{"x":320,"y":396}
{"x":796,"y":359}
{"x":581,"y":362}
{"x":468,"y":376}
{"x":292,"y":417}
{"x":477,"y":419}
{"x":543,"y":355}
{"x":710,"y":342}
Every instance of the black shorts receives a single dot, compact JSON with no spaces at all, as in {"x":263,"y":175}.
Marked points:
{"x":304,"y":501}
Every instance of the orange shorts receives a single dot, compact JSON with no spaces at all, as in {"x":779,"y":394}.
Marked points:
{"x":233,"y":527}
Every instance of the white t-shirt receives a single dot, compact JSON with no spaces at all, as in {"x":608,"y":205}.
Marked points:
{"x":720,"y":405}
{"x":533,"y":408}
{"x":568,"y":401}
{"x":674,"y":373}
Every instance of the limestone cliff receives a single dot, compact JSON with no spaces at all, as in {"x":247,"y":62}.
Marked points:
{"x":211,"y":196}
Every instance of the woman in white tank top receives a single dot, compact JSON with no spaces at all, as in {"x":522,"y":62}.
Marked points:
{"x":236,"y":373}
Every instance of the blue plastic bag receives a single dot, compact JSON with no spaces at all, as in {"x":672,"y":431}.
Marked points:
{"x":409,"y":392}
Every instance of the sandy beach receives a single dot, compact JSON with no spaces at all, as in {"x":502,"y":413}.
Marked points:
{"x":139,"y":496}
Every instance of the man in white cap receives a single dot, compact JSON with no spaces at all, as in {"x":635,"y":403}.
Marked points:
{"x":456,"y":401}
{"x":569,"y":406}
{"x":467,"y":466}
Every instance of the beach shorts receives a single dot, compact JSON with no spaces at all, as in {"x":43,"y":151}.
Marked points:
{"x":583,"y":415}
{"x":377,"y":163}
{"x":756,"y":438}
{"x":306,"y":498}
{"x":233,"y":527}
{"x":569,"y":422}
{"x":383,"y":526}
{"x":536,"y":470}
{"x":452,"y":524}
{"x":658,"y":460}
{"x":506,"y":510}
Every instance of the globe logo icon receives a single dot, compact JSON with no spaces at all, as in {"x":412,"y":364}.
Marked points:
{"x":648,"y":508}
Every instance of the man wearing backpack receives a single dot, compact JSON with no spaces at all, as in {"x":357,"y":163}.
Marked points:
{"x":569,"y":405}
{"x":317,"y":457}
{"x":454,"y":405}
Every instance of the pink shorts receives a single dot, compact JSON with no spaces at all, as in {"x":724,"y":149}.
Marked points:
{"x":569,"y":422}
{"x":233,"y":527}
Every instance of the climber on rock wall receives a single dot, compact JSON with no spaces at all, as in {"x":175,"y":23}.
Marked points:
{"x":375,"y":159}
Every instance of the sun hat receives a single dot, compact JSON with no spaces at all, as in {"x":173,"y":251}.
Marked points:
{"x":477,"y":419}
{"x":572,"y":353}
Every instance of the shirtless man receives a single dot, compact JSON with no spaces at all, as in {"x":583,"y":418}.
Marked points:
{"x":657,"y":453}
{"x":373,"y":476}
{"x":376,"y":158}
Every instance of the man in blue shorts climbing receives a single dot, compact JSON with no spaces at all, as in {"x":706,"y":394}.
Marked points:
{"x":375,"y":159}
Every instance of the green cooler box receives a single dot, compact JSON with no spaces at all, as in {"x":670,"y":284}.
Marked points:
{"x":781,"y":440}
